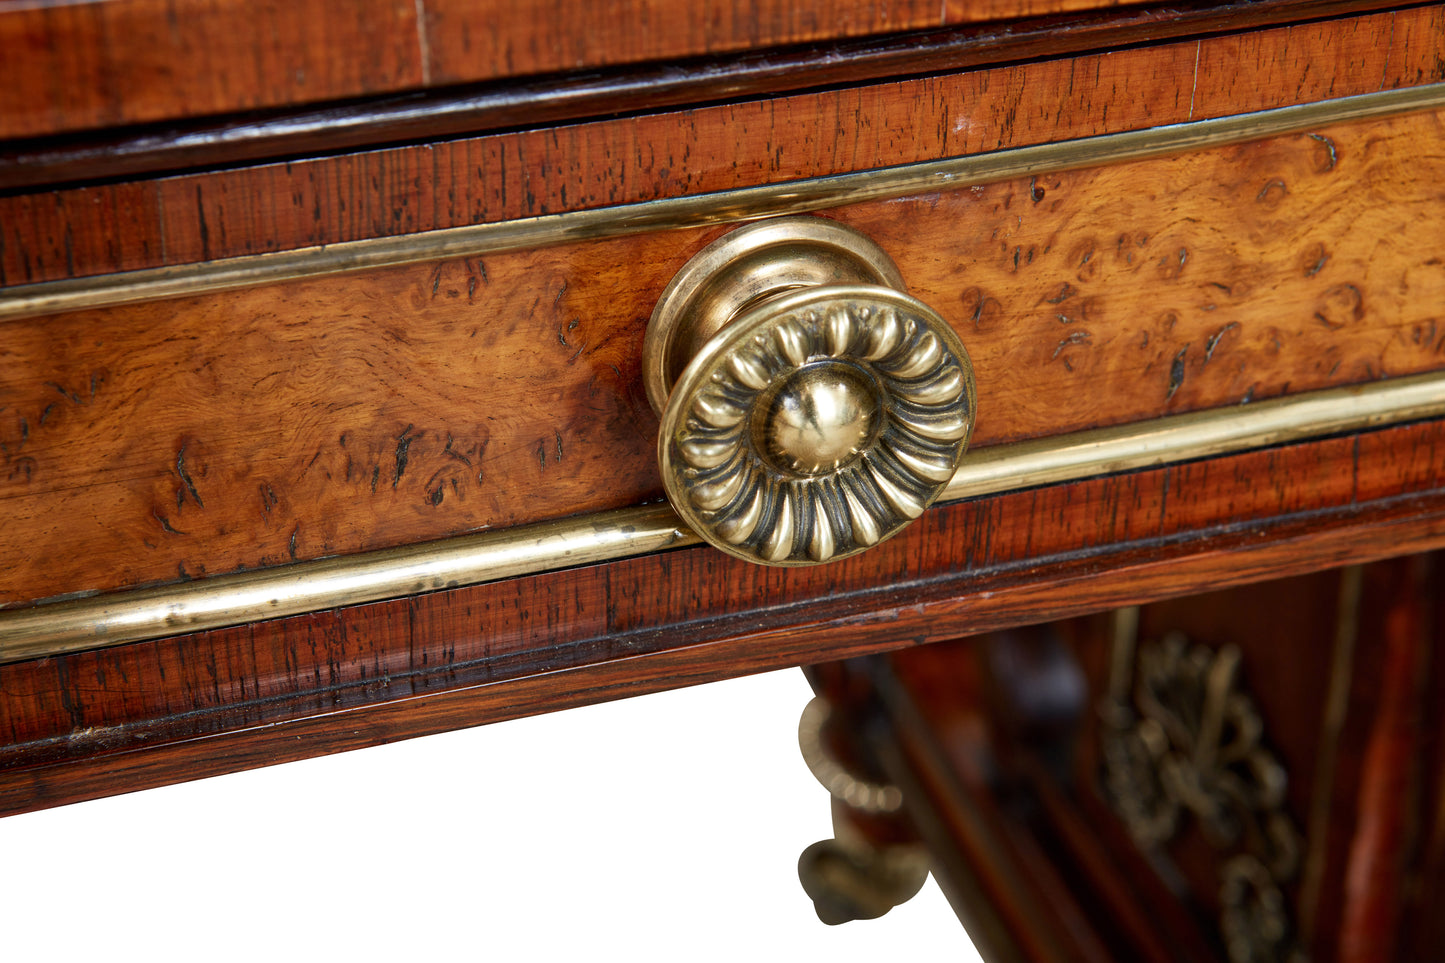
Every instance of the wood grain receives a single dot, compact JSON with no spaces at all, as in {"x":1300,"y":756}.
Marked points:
{"x":473,"y":108}
{"x":402,"y":190}
{"x":85,"y":65}
{"x":1387,"y":794}
{"x":468,"y":40}
{"x":71,"y":66}
{"x":1423,"y":925}
{"x":139,"y":715}
{"x":176,"y":439}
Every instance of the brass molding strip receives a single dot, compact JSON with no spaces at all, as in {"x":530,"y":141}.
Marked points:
{"x":103,"y":620}
{"x":1200,"y":434}
{"x":794,"y":197}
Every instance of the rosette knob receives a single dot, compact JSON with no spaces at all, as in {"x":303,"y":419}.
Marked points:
{"x":810,"y":407}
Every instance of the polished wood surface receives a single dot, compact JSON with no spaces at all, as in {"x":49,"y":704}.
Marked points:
{"x":84,"y":725}
{"x":171,"y":440}
{"x":364,"y":411}
{"x":1401,"y":600}
{"x":93,"y":64}
{"x":476,"y":107}
{"x":72,"y":66}
{"x":392,"y":191}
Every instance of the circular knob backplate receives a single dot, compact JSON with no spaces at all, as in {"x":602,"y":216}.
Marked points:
{"x":820,"y":418}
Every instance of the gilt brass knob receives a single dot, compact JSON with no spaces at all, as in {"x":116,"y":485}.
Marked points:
{"x":810,"y":407}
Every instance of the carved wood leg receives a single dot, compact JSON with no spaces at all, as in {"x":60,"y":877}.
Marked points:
{"x":1252,"y":775}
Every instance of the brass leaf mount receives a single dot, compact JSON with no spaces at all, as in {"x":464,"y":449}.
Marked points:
{"x":810,"y":407}
{"x":1182,"y":737}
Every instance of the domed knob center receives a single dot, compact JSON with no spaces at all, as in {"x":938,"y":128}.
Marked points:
{"x":820,"y":417}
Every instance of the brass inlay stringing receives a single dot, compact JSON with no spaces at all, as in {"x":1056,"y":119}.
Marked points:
{"x":102,"y":620}
{"x":809,"y":407}
{"x":732,"y":206}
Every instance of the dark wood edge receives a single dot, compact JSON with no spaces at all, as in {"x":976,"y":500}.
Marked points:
{"x":227,"y":141}
{"x":1081,"y":583}
{"x":963,"y":843}
{"x":1028,"y":874}
{"x":973,"y":837}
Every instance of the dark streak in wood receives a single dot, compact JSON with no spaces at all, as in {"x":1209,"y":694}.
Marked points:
{"x":185,"y":477}
{"x":1065,"y":291}
{"x":1330,"y":148}
{"x":165,"y":524}
{"x":1272,"y":192}
{"x":403,"y":448}
{"x":1176,"y":372}
{"x":1214,"y":339}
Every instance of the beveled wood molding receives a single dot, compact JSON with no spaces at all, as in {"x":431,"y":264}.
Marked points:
{"x":439,"y":112}
{"x":734,"y":206}
{"x":111,"y":619}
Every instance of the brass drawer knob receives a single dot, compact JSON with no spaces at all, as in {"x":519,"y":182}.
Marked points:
{"x":810,"y":407}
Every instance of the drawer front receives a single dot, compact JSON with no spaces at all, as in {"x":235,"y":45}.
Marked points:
{"x":250,"y":428}
{"x":420,"y":348}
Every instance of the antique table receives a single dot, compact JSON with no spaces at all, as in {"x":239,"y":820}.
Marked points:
{"x":374,"y":372}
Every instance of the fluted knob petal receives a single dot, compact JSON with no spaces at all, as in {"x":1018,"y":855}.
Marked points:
{"x":854,"y":402}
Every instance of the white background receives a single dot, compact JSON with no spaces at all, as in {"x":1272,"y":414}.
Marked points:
{"x":665,"y":827}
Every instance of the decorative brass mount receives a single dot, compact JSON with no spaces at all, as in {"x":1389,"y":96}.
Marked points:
{"x":1182,"y":735}
{"x":858,"y":874}
{"x":810,"y":407}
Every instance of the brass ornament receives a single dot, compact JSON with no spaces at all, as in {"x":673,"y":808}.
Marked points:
{"x":849,"y":788}
{"x":1181,"y":737}
{"x":810,"y":408}
{"x":852,"y":877}
{"x":849,"y":878}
